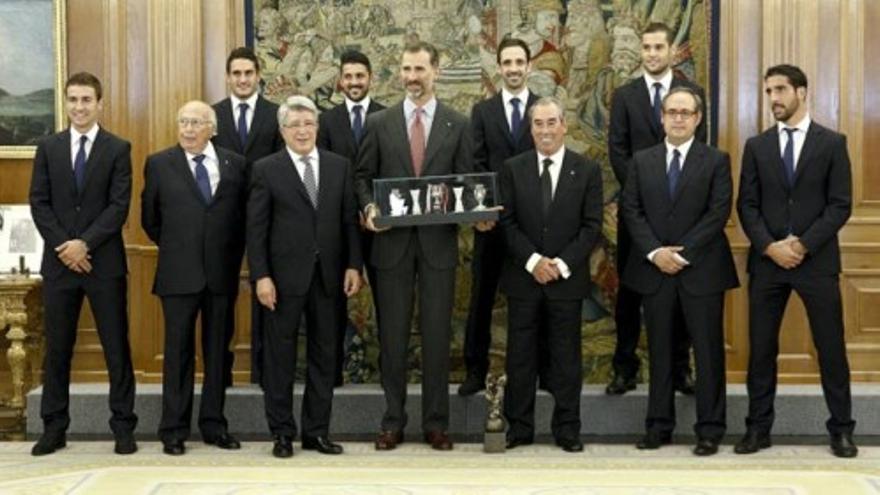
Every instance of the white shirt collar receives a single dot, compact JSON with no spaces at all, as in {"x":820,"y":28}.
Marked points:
{"x":251,"y":101}
{"x":803,"y":125}
{"x":365,"y":103}
{"x":297,"y":158}
{"x":429,"y":108}
{"x":523,"y":96}
{"x":556,"y":157}
{"x":682,"y":148}
{"x":90,"y":134}
{"x":665,"y":81}
{"x":209,"y":152}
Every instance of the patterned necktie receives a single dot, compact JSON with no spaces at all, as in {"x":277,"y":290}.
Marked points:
{"x":674,"y":172}
{"x":417,"y":142}
{"x":515,"y":117}
{"x":202,"y":179}
{"x":309,"y":181}
{"x":79,"y":163}
{"x":546,"y":186}
{"x":658,"y":104}
{"x":357,"y":126}
{"x":788,"y":155}
{"x":242,"y":124}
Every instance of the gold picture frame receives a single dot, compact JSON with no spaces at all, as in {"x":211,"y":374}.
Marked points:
{"x":10,"y":146}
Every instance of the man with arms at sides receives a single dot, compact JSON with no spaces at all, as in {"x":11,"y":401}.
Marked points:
{"x":676,"y":202}
{"x":500,"y":131}
{"x":247,"y":125}
{"x":80,"y":194}
{"x":193,"y":208}
{"x":551,"y":220}
{"x":304,"y":254}
{"x":636,"y":125}
{"x":417,"y":137}
{"x":795,"y":194}
{"x":341,"y":130}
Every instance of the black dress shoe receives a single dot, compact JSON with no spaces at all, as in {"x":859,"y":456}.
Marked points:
{"x":706,"y":446}
{"x":842,"y":445}
{"x":473,"y":383}
{"x":322,"y":445}
{"x":125,"y":444}
{"x":570,"y":444}
{"x":514,"y":442}
{"x":752,"y":442}
{"x":685,"y":384}
{"x":283,"y":447}
{"x":173,"y":447}
{"x":653,"y":440}
{"x":620,"y":385}
{"x":49,"y":443}
{"x":224,"y":441}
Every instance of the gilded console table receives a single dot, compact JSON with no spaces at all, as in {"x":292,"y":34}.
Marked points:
{"x":21,"y":317}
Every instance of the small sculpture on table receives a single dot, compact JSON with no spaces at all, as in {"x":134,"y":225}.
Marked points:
{"x":494,"y":439}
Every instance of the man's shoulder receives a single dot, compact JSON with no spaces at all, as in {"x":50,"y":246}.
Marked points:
{"x":683,"y":81}
{"x":579,"y":160}
{"x":330,"y":157}
{"x":224,"y":103}
{"x":166,"y":154}
{"x":231,"y":155}
{"x":486,"y":104}
{"x":446,"y":111}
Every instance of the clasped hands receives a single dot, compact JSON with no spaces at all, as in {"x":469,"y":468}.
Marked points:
{"x":75,"y":255}
{"x":788,"y":253}
{"x":668,"y":260}
{"x":546,"y":271}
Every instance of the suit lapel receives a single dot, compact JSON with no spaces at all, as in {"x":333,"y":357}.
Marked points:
{"x":499,"y":115}
{"x":225,"y":171}
{"x":645,"y":107}
{"x":690,"y":168}
{"x":532,"y":182}
{"x":814,"y":134}
{"x":397,"y":126}
{"x":343,"y":122}
{"x":227,"y":123}
{"x":770,"y":148}
{"x":567,"y":176}
{"x":293,"y":175}
{"x":94,"y":160}
{"x":261,"y":113}
{"x":180,"y":164}
{"x":61,"y":157}
{"x":439,"y":129}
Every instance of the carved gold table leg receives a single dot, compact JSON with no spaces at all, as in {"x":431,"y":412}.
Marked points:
{"x":14,"y":312}
{"x":16,"y":317}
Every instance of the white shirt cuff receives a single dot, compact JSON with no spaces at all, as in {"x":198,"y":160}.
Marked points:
{"x":532,"y":262}
{"x":652,"y":254}
{"x":563,"y":268}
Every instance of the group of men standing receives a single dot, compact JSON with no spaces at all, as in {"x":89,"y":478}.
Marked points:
{"x":296,"y":189}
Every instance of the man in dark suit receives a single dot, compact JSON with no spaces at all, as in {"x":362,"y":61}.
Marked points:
{"x":417,"y":137}
{"x":551,"y":220}
{"x":193,"y":208}
{"x":341,"y":130}
{"x":246,"y":124}
{"x":304,"y":255}
{"x":79,"y":196}
{"x":676,"y":203}
{"x":635,"y":125}
{"x":795,"y":195}
{"x":500,"y":131}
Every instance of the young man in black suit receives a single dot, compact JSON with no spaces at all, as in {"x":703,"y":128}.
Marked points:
{"x":551,"y":220}
{"x":795,"y":195}
{"x":341,"y":130}
{"x":304,"y":255}
{"x":635,"y":125}
{"x":676,"y":203}
{"x":246,"y":124}
{"x":500,"y":131}
{"x":193,"y":208}
{"x":80,"y":194}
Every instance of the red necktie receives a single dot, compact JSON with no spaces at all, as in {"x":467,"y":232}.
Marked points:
{"x":417,"y":142}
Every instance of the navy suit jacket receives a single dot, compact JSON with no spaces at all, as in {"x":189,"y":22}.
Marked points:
{"x":493,"y":142}
{"x":263,"y":138}
{"x":334,"y":130}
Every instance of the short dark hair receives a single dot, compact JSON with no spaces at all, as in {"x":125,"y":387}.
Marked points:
{"x":512,"y":42}
{"x":244,"y":52}
{"x":355,"y":57}
{"x":419,"y":46}
{"x":698,"y":101}
{"x":659,"y":27}
{"x":84,"y":79}
{"x":793,"y":73}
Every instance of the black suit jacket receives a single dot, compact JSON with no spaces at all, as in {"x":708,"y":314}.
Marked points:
{"x":492,"y":140}
{"x":264,"y":137}
{"x":95,"y":215}
{"x":693,"y":218}
{"x":286,"y":235}
{"x":814,"y":210}
{"x":334,"y":130}
{"x":569,"y":232}
{"x":632,"y":127}
{"x":384,"y":153}
{"x":199,"y":245}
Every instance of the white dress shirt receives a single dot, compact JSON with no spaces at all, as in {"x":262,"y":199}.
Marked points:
{"x":75,"y":135}
{"x":301,"y":167}
{"x":427,"y":115}
{"x":364,"y":103}
{"x":665,"y":81}
{"x":211,"y":163}
{"x":800,"y":135}
{"x":252,"y":105}
{"x":554,"y":169}
{"x":506,"y":96}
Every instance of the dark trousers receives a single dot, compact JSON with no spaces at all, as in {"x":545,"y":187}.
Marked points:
{"x":627,"y":319}
{"x":344,"y":323}
{"x":62,"y":302}
{"x":821,"y":296}
{"x":178,"y":367}
{"x":229,"y":335}
{"x":562,"y":321}
{"x":436,"y":288}
{"x":280,"y":336}
{"x":704,"y":322}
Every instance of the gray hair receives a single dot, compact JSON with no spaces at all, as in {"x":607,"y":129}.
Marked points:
{"x":545,"y":101}
{"x":685,"y":90}
{"x":296,"y":103}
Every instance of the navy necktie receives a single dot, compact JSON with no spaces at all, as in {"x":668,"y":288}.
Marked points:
{"x":674,"y":172}
{"x":79,"y":163}
{"x":202,"y":179}
{"x":546,"y":186}
{"x":658,"y":104}
{"x":788,"y":155}
{"x":242,"y":124}
{"x":357,"y":126}
{"x":515,"y":117}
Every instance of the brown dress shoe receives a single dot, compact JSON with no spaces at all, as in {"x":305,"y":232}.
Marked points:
{"x":388,"y":440}
{"x":439,"y":440}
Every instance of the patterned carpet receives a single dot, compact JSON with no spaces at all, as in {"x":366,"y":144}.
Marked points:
{"x":90,"y":467}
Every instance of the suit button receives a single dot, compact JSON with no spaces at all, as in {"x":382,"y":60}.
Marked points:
{"x":791,"y":201}
{"x":77,"y":208}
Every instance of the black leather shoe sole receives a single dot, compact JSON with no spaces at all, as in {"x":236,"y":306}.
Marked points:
{"x":48,"y":447}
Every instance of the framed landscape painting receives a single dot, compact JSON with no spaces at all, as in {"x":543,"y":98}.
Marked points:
{"x":33,"y":37}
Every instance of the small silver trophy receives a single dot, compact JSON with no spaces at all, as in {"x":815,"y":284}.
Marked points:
{"x":459,"y":198}
{"x":494,"y":441}
{"x":437,"y":196}
{"x":416,"y":206}
{"x":480,"y":196}
{"x":397,"y":203}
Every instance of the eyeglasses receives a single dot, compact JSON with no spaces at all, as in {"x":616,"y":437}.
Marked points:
{"x":196,"y":123}
{"x":679,"y":114}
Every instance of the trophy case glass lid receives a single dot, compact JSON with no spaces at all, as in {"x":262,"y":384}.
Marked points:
{"x":457,"y":198}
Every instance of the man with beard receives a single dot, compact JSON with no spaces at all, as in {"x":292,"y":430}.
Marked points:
{"x":417,"y":137}
{"x":341,"y":130}
{"x":500,"y":131}
{"x":795,"y":195}
{"x":246,"y":124}
{"x":636,"y":125}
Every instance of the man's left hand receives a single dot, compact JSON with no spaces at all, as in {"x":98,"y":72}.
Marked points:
{"x":352,"y":282}
{"x":73,"y":253}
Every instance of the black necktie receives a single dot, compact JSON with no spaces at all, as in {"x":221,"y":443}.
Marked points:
{"x":202,"y":179}
{"x":357,"y":126}
{"x":515,"y":117}
{"x":658,"y":104}
{"x":242,"y":124}
{"x":79,"y":163}
{"x":788,"y":155}
{"x":674,"y":172}
{"x":546,"y":186}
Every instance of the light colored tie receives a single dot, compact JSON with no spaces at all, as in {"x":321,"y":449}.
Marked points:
{"x":417,"y":142}
{"x":309,"y":181}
